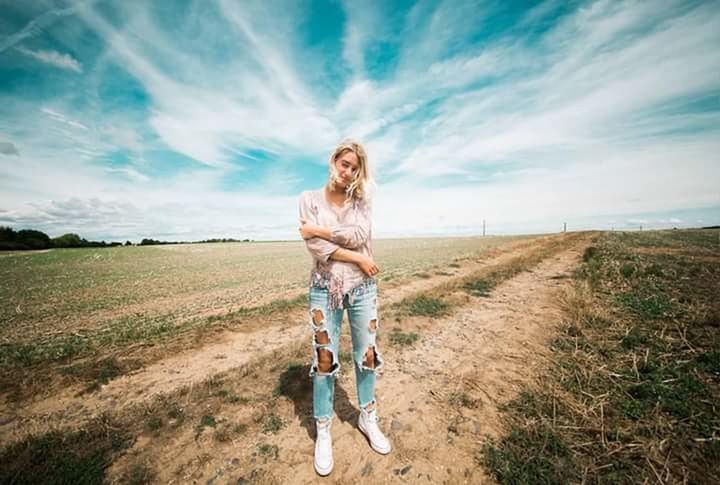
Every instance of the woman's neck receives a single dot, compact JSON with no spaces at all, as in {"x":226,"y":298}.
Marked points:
{"x":337,"y":193}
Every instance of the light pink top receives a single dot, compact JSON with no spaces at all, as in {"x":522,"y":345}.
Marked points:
{"x":350,"y":229}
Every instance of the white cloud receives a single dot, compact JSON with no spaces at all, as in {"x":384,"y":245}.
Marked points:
{"x":54,"y":58}
{"x":63,"y":119}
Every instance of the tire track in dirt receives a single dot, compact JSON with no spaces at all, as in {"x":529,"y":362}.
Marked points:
{"x":486,"y":351}
{"x":229,"y":350}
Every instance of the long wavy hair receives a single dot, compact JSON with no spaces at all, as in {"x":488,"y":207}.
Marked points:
{"x":363,"y":183}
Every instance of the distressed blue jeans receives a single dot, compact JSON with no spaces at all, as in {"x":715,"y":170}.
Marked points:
{"x":361,"y":306}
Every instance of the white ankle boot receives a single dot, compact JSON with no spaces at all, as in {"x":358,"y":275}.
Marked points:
{"x":323,"y":447}
{"x":367,"y":422}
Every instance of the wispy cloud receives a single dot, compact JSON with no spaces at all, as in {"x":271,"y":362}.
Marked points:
{"x":57,"y":59}
{"x":38,"y":24}
{"x":591,"y":112}
{"x":63,"y":119}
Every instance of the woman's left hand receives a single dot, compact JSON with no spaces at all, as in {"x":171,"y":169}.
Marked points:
{"x":307,"y":230}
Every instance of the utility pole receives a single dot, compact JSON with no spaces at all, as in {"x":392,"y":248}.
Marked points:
{"x":564,"y":226}
{"x":483,"y":227}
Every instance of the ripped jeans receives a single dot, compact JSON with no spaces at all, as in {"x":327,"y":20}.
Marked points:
{"x":361,"y":304}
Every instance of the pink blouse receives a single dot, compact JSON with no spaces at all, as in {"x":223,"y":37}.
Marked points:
{"x":350,"y":229}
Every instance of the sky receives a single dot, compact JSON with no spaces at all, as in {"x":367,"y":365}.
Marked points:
{"x":188,"y":120}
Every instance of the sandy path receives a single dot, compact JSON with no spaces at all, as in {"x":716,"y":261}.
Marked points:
{"x":229,"y":350}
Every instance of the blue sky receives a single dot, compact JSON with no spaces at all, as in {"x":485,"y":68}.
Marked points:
{"x":196,"y":119}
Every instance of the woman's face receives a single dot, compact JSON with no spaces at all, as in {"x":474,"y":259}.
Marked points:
{"x":347,"y":167}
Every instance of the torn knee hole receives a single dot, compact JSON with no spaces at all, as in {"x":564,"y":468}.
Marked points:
{"x":369,"y":358}
{"x":322,"y":337}
{"x":318,"y":316}
{"x":373,"y":325}
{"x":325,"y":360}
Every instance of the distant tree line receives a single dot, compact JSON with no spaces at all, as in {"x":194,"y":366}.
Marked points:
{"x":152,"y":242}
{"x":32,"y":239}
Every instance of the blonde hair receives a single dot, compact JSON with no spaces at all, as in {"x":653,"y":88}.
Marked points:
{"x":360,"y":187}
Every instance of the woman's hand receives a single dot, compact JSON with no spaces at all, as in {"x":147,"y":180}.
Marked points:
{"x":307,"y":229}
{"x":367,"y":265}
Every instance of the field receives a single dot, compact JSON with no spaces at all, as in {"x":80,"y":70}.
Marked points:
{"x":189,"y":363}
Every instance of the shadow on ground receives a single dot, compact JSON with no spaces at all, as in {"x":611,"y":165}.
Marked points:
{"x":295,"y":384}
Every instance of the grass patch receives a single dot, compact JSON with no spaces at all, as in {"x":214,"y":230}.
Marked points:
{"x":424,"y":306}
{"x":479,"y":287}
{"x":532,"y":455}
{"x":631,"y":393}
{"x":402,"y":339}
{"x":154,"y":423}
{"x":176,"y":412}
{"x":462,"y":399}
{"x":207,"y":421}
{"x":645,"y":305}
{"x":268,"y":451}
{"x":346,"y":357}
{"x":272,"y":424}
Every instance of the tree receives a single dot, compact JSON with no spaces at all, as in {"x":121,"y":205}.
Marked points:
{"x":7,"y":234}
{"x":69,"y":240}
{"x":33,"y":239}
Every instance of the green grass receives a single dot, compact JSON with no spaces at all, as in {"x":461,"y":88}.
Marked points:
{"x":346,"y":357}
{"x":154,"y":423}
{"x":426,"y":306}
{"x":402,"y":339}
{"x":479,"y":287}
{"x":272,"y":424}
{"x":633,"y":387}
{"x":206,"y":421}
{"x":534,"y":454}
{"x":268,"y":451}
{"x":646,"y":305}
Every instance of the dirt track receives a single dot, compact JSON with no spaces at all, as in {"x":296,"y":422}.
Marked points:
{"x":483,"y":352}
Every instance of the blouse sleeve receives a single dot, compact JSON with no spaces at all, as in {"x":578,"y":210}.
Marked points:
{"x":352,"y":236}
{"x":319,"y":248}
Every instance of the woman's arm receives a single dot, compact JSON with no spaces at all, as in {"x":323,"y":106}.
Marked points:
{"x":366,"y":264}
{"x":322,"y":249}
{"x":319,"y":248}
{"x":350,"y":236}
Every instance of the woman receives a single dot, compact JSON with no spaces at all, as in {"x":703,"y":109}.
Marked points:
{"x":335,"y":224}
